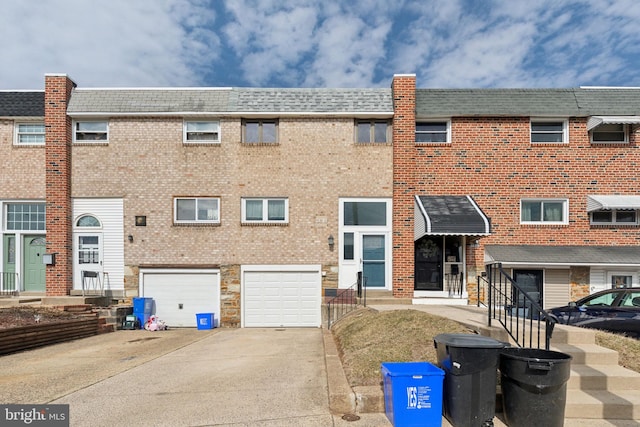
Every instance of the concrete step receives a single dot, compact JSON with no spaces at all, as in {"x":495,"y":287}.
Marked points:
{"x":588,"y":354}
{"x":563,"y":334}
{"x":602,"y":377}
{"x":590,"y":404}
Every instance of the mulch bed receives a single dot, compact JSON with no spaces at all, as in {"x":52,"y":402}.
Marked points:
{"x":11,"y":317}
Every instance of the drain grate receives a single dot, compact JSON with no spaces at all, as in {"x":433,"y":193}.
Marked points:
{"x":350,"y":417}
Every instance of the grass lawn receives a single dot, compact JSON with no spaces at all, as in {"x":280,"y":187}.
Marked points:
{"x":366,"y":338}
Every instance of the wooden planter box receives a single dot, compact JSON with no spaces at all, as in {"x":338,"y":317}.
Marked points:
{"x":26,"y":337}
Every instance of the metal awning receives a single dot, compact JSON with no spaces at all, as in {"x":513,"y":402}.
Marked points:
{"x":612,"y":202}
{"x":562,"y":255}
{"x":595,"y":121}
{"x":449,"y":215}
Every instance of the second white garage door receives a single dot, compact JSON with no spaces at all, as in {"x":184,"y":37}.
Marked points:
{"x":180,"y":294}
{"x":279,"y":296}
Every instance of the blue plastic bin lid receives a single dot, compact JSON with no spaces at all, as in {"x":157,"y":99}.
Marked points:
{"x":403,"y":369}
{"x":469,"y":341}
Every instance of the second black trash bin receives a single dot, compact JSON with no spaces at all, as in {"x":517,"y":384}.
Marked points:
{"x":470,"y":364}
{"x":534,"y":386}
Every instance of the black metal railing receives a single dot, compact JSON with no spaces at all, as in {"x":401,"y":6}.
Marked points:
{"x":483,"y":291}
{"x":346,"y":300}
{"x":517,"y":311}
{"x":9,"y":284}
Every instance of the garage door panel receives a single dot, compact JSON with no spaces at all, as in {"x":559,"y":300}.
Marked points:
{"x":178,"y":296}
{"x":282,"y":298}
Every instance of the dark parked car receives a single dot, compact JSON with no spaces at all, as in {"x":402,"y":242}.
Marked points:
{"x":613,"y":310}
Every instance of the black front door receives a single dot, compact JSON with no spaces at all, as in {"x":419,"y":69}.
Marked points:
{"x":428,"y":264}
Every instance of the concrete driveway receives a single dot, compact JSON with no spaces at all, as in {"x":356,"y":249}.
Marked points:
{"x":182,"y":377}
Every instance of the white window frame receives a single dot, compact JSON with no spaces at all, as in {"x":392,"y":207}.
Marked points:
{"x":565,"y":211}
{"x":625,"y":129}
{"x":612,"y":274}
{"x":77,"y":123}
{"x":565,"y":130}
{"x":215,"y":131}
{"x":447,"y":132}
{"x":372,"y":130}
{"x":614,"y":218}
{"x":40,"y":208}
{"x":195,"y":220}
{"x":265,"y":210}
{"x":19,"y":133}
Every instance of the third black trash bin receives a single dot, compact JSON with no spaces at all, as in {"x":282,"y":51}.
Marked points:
{"x":534,"y":386}
{"x":470,"y":364}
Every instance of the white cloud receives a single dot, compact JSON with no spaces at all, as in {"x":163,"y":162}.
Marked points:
{"x":106,"y":43}
{"x":454,"y":43}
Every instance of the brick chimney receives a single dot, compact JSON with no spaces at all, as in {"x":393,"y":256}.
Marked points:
{"x":404,"y":189}
{"x":58,"y":138}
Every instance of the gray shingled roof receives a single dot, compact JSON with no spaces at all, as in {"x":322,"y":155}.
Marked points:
{"x":148,"y":100}
{"x":230,"y":100}
{"x":566,"y":255}
{"x":22,"y":104}
{"x":576,"y":102}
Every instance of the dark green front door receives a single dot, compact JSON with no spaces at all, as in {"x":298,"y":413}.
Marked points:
{"x":33,"y":247}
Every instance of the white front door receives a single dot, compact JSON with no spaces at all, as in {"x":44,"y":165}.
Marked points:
{"x":87,"y":257}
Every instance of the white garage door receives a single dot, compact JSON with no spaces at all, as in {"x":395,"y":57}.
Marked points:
{"x":284,"y":298}
{"x":180,"y":294}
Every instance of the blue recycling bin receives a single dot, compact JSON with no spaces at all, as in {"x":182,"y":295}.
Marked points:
{"x":413,"y":393}
{"x":204,"y":320}
{"x":142,"y":309}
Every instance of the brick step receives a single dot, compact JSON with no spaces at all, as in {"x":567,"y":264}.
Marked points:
{"x":602,"y":377}
{"x":603,"y":405}
{"x":588,"y":354}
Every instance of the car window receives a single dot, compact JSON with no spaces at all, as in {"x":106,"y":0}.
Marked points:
{"x":628,"y":299}
{"x":600,"y":300}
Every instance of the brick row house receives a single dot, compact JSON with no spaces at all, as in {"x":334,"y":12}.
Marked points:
{"x":253,"y":203}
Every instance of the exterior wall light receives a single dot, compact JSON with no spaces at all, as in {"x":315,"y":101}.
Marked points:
{"x":331,"y":242}
{"x":130,"y":238}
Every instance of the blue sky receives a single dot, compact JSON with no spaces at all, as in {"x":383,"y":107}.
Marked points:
{"x":321,"y":43}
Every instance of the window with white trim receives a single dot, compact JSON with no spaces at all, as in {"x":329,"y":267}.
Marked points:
{"x":25,"y":216}
{"x":196,"y":210}
{"x":260,"y":131}
{"x":91,"y":131}
{"x":618,"y":217}
{"x":544,"y":211}
{"x":549,"y":131}
{"x":265,"y":210}
{"x":372,"y":131}
{"x":610,"y":133}
{"x":433,"y":131}
{"x":201,"y":132}
{"x":29,"y":134}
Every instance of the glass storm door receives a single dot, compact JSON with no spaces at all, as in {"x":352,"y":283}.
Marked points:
{"x":34,"y":272}
{"x":373,"y":260}
{"x":531,"y":282}
{"x":428,"y":264}
{"x":9,"y":281}
{"x":88,"y":260}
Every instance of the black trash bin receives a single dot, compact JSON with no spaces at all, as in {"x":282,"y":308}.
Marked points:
{"x":470,"y":364}
{"x":534,"y":386}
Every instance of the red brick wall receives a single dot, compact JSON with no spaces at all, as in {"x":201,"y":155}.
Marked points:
{"x":493,"y":160}
{"x":404,"y":151}
{"x":58,"y":184}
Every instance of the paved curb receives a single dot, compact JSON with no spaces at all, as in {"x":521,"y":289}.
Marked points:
{"x":342,"y":399}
